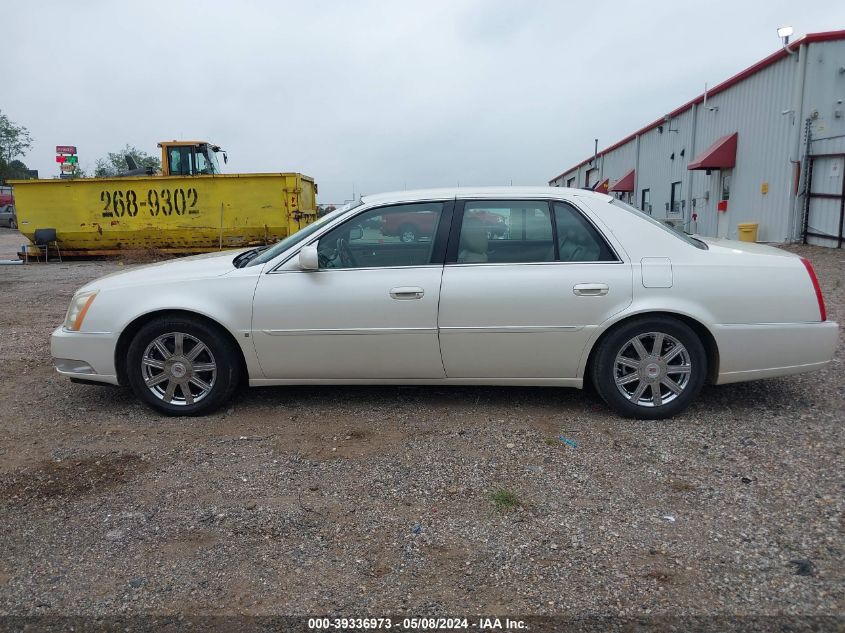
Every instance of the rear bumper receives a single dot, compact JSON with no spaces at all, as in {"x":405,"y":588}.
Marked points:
{"x":86,"y":356}
{"x":768,"y":350}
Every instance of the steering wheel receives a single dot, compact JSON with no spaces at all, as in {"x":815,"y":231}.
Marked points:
{"x":344,"y":253}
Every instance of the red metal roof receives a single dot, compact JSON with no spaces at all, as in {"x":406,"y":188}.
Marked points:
{"x":601,"y":187}
{"x":720,"y":155}
{"x":810,"y":38}
{"x":626,"y":183}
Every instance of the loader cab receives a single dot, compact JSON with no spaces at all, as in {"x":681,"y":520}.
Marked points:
{"x":190,"y":158}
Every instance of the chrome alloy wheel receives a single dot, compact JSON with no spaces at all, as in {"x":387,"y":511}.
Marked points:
{"x":652,"y":369}
{"x":178,"y":368}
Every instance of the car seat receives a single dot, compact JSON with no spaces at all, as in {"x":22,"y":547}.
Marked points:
{"x":474,"y":242}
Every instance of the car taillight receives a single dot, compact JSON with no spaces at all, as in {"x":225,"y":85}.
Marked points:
{"x":819,"y":297}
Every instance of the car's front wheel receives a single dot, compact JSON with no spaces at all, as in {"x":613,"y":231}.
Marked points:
{"x":650,"y":368}
{"x":182,"y":366}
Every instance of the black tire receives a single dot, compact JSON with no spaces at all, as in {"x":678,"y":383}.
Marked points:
{"x":605,"y":369}
{"x":220,"y":352}
{"x":408,"y":233}
{"x":13,"y":224}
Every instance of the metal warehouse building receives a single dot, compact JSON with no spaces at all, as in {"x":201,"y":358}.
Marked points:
{"x":766,"y":146}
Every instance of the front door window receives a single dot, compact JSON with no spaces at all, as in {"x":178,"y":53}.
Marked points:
{"x":399,"y":235}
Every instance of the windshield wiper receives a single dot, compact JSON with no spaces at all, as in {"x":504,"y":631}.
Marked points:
{"x":244,"y":258}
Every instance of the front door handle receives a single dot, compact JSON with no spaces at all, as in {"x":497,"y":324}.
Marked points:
{"x":590,"y":290}
{"x":403,"y":293}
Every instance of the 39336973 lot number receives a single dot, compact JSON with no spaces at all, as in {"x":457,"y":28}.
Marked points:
{"x":159,"y":202}
{"x":406,"y":624}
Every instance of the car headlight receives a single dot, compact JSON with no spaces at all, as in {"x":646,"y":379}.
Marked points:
{"x":78,"y":309}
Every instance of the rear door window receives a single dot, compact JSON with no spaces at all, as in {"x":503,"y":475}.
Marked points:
{"x":505,"y":232}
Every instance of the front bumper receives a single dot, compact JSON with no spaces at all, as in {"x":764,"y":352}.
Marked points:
{"x":86,"y":356}
{"x":769,"y":350}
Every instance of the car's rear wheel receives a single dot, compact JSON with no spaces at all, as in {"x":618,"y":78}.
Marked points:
{"x":650,"y":368}
{"x":13,"y":224}
{"x":182,"y":366}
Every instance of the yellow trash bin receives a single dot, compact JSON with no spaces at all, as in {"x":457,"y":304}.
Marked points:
{"x":747,"y":231}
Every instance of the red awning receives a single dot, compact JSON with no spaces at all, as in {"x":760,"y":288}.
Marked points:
{"x":602,"y":186}
{"x":626,"y":183}
{"x":720,"y":155}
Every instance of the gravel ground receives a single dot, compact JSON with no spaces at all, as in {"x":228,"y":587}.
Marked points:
{"x":380,"y":500}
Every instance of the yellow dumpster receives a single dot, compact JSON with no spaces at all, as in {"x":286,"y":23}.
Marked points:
{"x":189,"y":207}
{"x":747,"y":231}
{"x":177,"y":214}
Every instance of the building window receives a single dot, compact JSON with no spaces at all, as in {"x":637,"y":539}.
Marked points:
{"x":591,"y":178}
{"x":645,"y":201}
{"x":675,"y":198}
{"x":571,"y":182}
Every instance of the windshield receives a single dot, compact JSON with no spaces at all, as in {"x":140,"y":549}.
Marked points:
{"x":291,"y":240}
{"x":692,"y":241}
{"x":207,"y":161}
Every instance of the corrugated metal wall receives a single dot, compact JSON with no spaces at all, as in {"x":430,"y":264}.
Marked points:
{"x":753,"y":108}
{"x":664,"y":156}
{"x":619,"y":162}
{"x":763,"y":180}
{"x":824,"y":93}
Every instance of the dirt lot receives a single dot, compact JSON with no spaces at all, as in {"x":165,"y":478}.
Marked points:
{"x":380,"y":500}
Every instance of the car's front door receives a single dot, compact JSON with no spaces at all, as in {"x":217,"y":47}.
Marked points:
{"x":369,"y":312}
{"x":523,"y":304}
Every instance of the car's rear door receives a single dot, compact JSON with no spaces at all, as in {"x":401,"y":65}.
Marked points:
{"x":524,"y":304}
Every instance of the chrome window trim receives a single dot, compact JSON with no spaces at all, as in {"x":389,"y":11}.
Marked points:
{"x":294,"y":250}
{"x":465,"y":264}
{"x":323,"y":271}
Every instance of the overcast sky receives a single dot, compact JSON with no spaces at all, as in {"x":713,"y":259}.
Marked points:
{"x":379,"y":95}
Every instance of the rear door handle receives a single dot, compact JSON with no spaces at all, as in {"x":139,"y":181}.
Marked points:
{"x":403,"y":293}
{"x":590,"y":290}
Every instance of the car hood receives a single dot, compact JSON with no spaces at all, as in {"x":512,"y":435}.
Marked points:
{"x":737,"y":247}
{"x":194,"y":267}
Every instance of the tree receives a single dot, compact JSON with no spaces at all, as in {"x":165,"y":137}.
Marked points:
{"x":14,"y":139}
{"x":14,"y":170}
{"x":115,"y":162}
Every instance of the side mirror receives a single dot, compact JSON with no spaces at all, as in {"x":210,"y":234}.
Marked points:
{"x":309,"y":258}
{"x":356,"y":233}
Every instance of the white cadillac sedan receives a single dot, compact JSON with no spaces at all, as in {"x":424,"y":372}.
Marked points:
{"x":497,"y":286}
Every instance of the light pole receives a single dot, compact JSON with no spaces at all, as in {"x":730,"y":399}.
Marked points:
{"x":784,"y":33}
